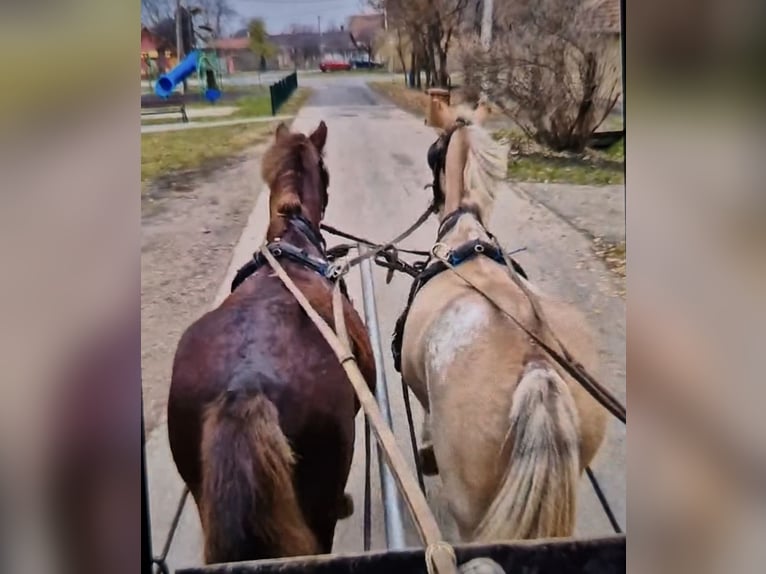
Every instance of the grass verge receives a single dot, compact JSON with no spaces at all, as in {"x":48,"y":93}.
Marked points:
{"x":411,"y":100}
{"x":165,"y":155}
{"x":529,"y":162}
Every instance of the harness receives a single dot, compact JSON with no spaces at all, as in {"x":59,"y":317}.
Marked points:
{"x":283,"y":250}
{"x":461,"y":254}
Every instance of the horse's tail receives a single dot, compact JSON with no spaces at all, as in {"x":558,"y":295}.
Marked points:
{"x":536,"y":496}
{"x":248,"y":499}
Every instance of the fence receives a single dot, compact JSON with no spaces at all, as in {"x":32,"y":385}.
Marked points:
{"x":282,"y":90}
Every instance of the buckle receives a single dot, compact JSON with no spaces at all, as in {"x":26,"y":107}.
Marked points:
{"x":337,"y":269}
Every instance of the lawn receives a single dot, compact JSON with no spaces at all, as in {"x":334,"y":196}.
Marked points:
{"x":528,"y":161}
{"x":531,"y":162}
{"x":165,"y":154}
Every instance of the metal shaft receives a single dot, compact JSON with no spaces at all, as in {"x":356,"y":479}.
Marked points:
{"x":392,"y":507}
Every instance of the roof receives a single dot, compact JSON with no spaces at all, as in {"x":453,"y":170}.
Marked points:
{"x":232,"y":43}
{"x":151,"y":41}
{"x":603,"y":16}
{"x":338,"y":40}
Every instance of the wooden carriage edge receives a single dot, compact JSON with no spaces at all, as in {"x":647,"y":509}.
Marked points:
{"x":564,"y":556}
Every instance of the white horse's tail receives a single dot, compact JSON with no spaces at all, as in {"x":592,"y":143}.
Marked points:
{"x":536,"y":496}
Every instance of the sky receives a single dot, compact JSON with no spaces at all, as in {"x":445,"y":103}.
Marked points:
{"x":279,"y":14}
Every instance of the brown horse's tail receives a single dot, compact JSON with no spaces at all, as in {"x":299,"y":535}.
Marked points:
{"x":248,"y":503}
{"x":536,"y":496}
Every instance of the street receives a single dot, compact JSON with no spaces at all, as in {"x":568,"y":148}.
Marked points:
{"x":376,"y":156}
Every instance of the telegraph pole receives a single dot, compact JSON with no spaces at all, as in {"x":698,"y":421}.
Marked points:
{"x":179,"y":38}
{"x":486,"y":40}
{"x":319,"y":31}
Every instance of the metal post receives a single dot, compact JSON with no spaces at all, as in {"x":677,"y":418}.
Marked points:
{"x":180,"y":52}
{"x":486,"y":41}
{"x":392,"y":506}
{"x":146,"y":529}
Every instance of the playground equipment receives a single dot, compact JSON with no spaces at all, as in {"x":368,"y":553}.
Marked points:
{"x":204,"y":64}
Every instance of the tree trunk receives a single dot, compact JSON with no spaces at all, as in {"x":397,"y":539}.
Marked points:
{"x":400,"y":51}
{"x":443,"y":76}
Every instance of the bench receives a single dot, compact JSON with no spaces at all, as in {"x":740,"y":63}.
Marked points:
{"x":152,"y":104}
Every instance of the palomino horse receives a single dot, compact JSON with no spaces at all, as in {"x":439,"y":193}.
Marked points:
{"x":511,"y":433}
{"x":261,"y":414}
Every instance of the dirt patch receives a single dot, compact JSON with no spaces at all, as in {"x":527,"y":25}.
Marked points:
{"x":411,"y":100}
{"x":613,"y":255}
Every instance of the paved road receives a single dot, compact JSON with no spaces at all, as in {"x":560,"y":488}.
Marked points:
{"x":376,"y":157}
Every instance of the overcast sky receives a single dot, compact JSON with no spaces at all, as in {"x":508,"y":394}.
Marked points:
{"x":279,"y":14}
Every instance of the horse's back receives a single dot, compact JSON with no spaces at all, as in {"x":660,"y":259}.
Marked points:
{"x":260,"y":341}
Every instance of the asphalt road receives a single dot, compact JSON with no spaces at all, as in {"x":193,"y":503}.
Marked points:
{"x":376,"y":155}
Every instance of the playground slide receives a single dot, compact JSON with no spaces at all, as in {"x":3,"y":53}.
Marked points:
{"x":186,"y":67}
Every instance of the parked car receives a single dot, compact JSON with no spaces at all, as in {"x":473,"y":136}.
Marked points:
{"x":334,"y":65}
{"x":365,"y":65}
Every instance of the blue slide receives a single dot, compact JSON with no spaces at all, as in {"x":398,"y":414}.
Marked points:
{"x":188,"y":66}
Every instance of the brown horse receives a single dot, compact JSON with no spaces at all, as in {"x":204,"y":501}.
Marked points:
{"x":510,"y":431}
{"x":261,"y":414}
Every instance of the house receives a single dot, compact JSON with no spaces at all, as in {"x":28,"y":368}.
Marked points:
{"x":602,"y":19}
{"x":305,"y":50}
{"x":235,"y":54}
{"x":157,"y":56}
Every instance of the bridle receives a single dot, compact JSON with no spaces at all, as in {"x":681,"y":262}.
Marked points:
{"x":437,"y":160}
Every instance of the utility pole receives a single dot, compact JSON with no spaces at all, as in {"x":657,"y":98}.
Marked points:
{"x":179,"y":38}
{"x":486,"y":40}
{"x":319,"y":31}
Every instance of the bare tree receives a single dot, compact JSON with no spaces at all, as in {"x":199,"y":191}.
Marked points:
{"x":155,"y":11}
{"x":219,"y":14}
{"x":431,"y":26}
{"x":551,"y":72}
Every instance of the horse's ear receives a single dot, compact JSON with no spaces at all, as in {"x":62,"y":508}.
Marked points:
{"x":282,"y":131}
{"x":319,"y":136}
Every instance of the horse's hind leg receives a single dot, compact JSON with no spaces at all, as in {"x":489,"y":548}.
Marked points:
{"x":426,"y":451}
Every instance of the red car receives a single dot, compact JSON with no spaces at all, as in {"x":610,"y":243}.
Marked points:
{"x":334,"y":65}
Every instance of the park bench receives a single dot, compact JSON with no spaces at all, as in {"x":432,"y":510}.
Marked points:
{"x":152,"y":104}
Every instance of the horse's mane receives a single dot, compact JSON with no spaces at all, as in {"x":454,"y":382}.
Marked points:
{"x":486,"y":160}
{"x":283,"y":169}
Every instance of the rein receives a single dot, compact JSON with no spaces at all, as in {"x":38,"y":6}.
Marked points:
{"x":440,"y":556}
{"x":562,"y":357}
{"x":343,"y":267}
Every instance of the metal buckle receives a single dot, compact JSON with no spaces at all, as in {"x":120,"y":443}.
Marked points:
{"x":435,"y":250}
{"x":337,"y":269}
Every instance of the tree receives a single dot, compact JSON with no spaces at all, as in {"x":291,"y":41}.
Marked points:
{"x":219,"y":14}
{"x":551,"y":71}
{"x":155,"y":11}
{"x":431,"y":26}
{"x":259,"y":40}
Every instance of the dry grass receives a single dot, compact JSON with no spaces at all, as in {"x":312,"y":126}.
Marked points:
{"x":411,"y":100}
{"x":184,"y":153}
{"x":531,"y":162}
{"x":613,"y":255}
{"x":528,"y":162}
{"x":166,"y":153}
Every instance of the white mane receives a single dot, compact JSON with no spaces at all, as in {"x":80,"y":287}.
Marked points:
{"x":487,"y":162}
